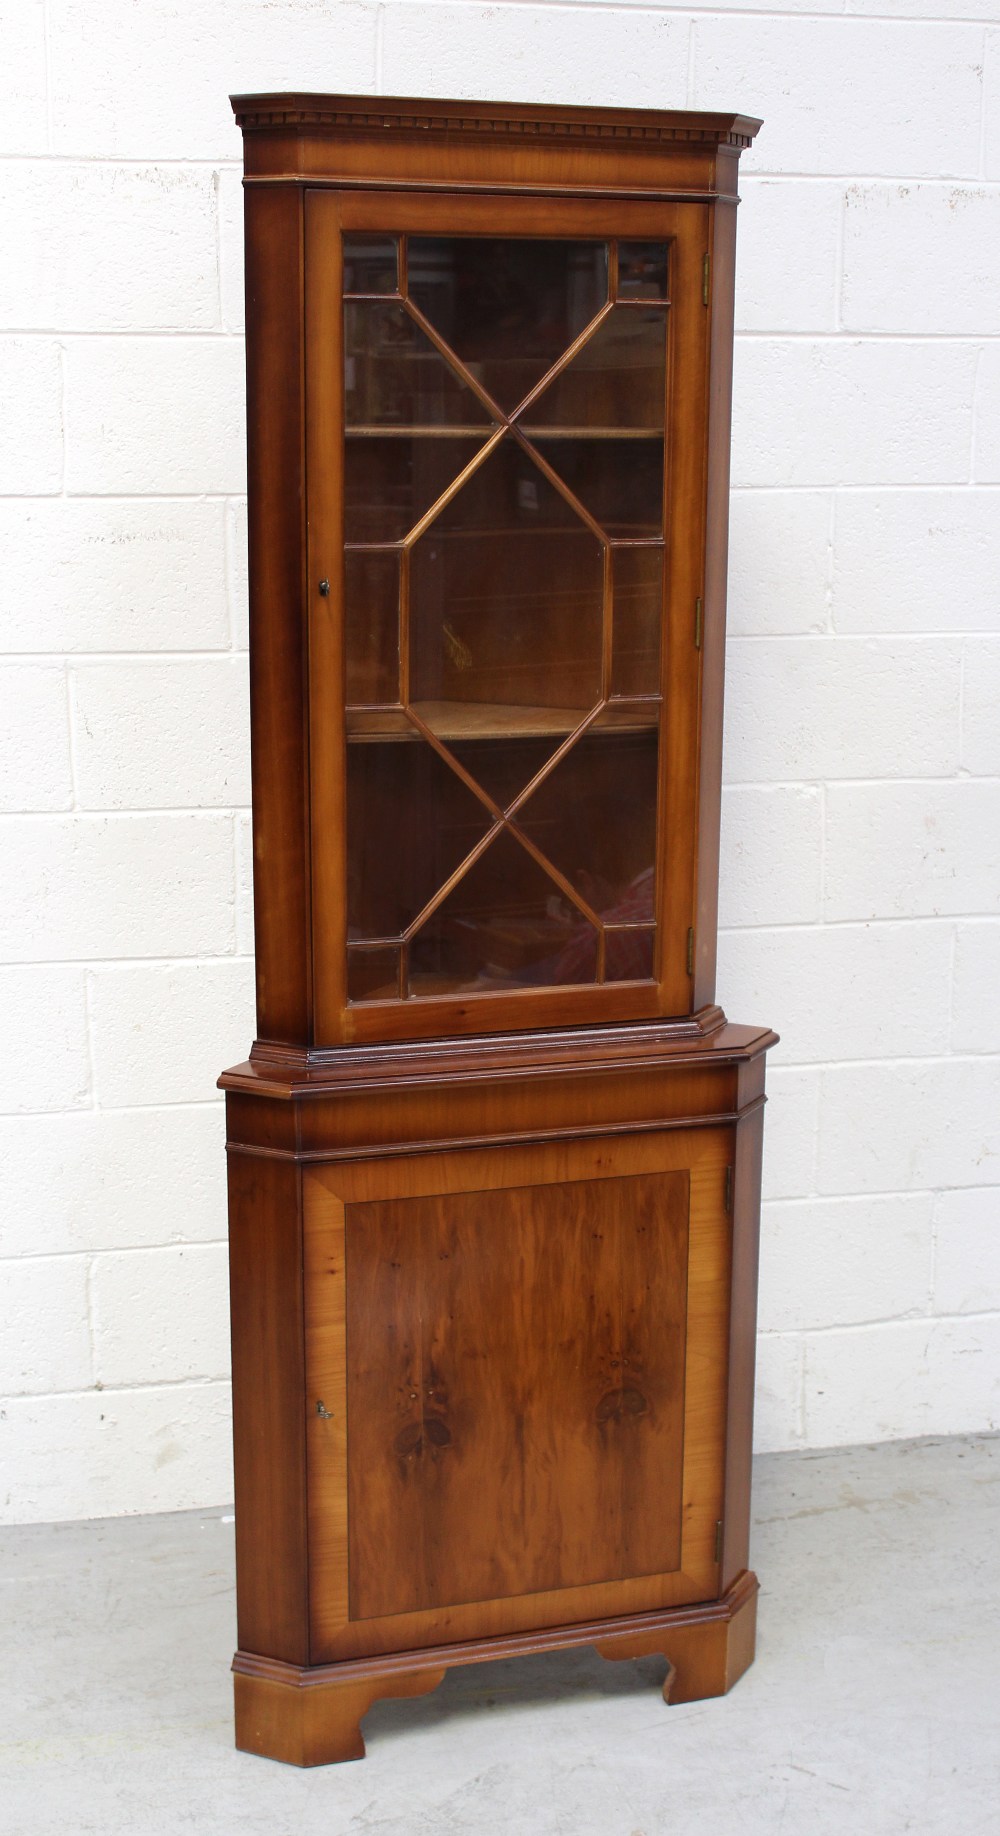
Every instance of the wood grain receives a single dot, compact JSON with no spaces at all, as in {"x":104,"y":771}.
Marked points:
{"x":268,"y":1341}
{"x":517,"y":1419}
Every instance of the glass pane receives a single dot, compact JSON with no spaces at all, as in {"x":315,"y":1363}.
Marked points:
{"x":370,"y":264}
{"x":507,"y":308}
{"x":506,"y":607}
{"x":411,"y":822}
{"x":373,"y":975}
{"x":620,"y":481}
{"x":394,"y":375}
{"x":505,"y":925}
{"x":616,"y":380}
{"x":594,"y":818}
{"x":638,"y":599}
{"x":505,"y":767}
{"x":371,"y":626}
{"x":642,"y":271}
{"x":390,"y":480}
{"x":629,"y":956}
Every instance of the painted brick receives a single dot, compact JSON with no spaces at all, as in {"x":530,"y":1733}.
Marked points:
{"x":244,"y":885}
{"x":918,"y":9}
{"x":976,"y":996}
{"x":160,"y":1315}
{"x":913,"y":1378}
{"x":108,"y":575}
{"x":967,"y":1251}
{"x":771,"y":855}
{"x":169,"y":98}
{"x":24,"y":123}
{"x":836,"y":707}
{"x":230,"y":190}
{"x":104,"y":1179}
{"x":513,"y":53}
{"x":127,"y":719}
{"x":43,"y":1013}
{"x":909,"y":1127}
{"x":780,"y":556}
{"x":797,"y":296}
{"x":986,"y":446}
{"x":981,"y":706}
{"x":777,"y":1422}
{"x":162,"y":1033}
{"x":44,"y":1335}
{"x":838,"y":1262}
{"x":877,"y":83}
{"x":790,"y":1131}
{"x":35,"y":772}
{"x":31,"y":453}
{"x":844,"y":991}
{"x":899,"y":850}
{"x":237,"y":573}
{"x":155,"y":414}
{"x":109,"y":1454}
{"x":991,"y":109}
{"x":899,"y":556}
{"x":109,"y":248}
{"x":107,"y":886}
{"x":921,"y":258}
{"x":843,"y":411}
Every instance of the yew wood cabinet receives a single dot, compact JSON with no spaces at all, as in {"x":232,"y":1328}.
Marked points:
{"x":495,"y":1157}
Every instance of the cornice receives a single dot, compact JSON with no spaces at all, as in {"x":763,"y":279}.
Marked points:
{"x":408,"y":117}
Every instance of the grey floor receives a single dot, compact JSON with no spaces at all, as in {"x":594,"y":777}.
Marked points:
{"x":874,"y":1704}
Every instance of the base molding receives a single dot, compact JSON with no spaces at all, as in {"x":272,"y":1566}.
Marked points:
{"x":311,"y":1715}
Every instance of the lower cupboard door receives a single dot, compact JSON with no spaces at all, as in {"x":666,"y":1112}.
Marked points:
{"x":529,"y":1382}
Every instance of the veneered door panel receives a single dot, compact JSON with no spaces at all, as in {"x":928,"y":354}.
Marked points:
{"x":515,"y":1390}
{"x":530,"y":1488}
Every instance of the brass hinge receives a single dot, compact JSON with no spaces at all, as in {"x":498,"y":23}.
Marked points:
{"x":698,"y":622}
{"x":728,"y":1198}
{"x":718,"y":1540}
{"x":690,"y":952}
{"x":704,"y":280}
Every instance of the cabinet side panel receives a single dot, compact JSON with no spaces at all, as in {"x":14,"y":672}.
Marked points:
{"x":722,"y":245}
{"x":265,"y":1264}
{"x":748,"y":1135}
{"x":275,"y":436}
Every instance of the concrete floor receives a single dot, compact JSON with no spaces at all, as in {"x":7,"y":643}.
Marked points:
{"x":873,"y":1707}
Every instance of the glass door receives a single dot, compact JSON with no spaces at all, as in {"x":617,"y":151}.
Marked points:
{"x":505,"y":418}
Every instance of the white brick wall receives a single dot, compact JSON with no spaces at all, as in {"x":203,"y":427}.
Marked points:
{"x":862,"y":807}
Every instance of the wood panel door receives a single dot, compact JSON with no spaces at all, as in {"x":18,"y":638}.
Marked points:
{"x":516,"y":1370}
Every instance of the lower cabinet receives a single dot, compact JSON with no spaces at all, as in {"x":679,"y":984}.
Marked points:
{"x":488,"y":1399}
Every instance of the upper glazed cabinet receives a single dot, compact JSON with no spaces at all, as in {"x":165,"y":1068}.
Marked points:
{"x":486,"y":777}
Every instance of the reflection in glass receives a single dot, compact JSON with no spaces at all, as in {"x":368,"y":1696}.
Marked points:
{"x":506,"y":601}
{"x":642,"y":271}
{"x":370,"y":264}
{"x":617,"y":379}
{"x":391,"y":479}
{"x":505,"y":925}
{"x":394,"y":375}
{"x":507,"y":307}
{"x":371,"y":626}
{"x":629,"y":956}
{"x":594,"y":818}
{"x":373,"y":975}
{"x":411,"y":822}
{"x":503,"y":766}
{"x":620,"y":481}
{"x":638,"y":597}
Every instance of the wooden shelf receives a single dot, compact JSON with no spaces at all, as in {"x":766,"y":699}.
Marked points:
{"x":483,"y":431}
{"x":475,"y":720}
